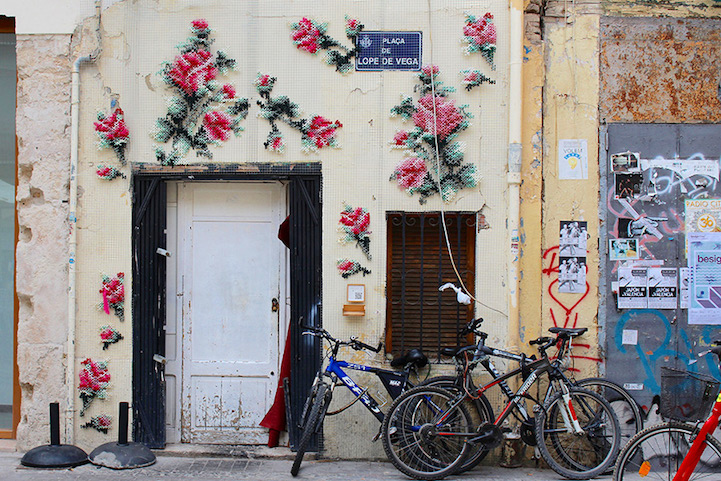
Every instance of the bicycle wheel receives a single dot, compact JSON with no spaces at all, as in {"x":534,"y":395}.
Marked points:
{"x":624,"y":405}
{"x":318,"y":399}
{"x":422,"y":437}
{"x":480,"y":410}
{"x":657,"y":452}
{"x":578,"y":456}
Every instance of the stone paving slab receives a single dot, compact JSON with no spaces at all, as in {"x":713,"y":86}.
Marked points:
{"x":225,"y":468}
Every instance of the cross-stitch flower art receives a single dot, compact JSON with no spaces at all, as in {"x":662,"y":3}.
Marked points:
{"x":316,"y":132}
{"x":113,"y":133}
{"x":107,"y":172}
{"x":480,"y":34}
{"x":113,"y":293}
{"x":311,"y":36}
{"x":474,"y":78}
{"x":434,"y":159}
{"x":109,"y":335}
{"x":94,"y":382}
{"x":354,"y":227}
{"x":99,"y":423}
{"x":347,"y":268}
{"x":203,"y":112}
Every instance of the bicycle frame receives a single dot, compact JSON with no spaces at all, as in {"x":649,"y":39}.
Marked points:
{"x":693,"y":456}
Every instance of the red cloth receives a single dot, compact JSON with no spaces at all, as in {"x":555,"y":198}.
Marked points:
{"x":284,"y":232}
{"x":275,"y":417}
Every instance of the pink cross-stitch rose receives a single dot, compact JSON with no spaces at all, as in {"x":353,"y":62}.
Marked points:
{"x":218,"y":125}
{"x":448,"y":117}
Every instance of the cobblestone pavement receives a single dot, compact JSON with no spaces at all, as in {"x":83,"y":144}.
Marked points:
{"x":225,"y":468}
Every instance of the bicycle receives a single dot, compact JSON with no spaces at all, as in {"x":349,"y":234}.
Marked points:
{"x":678,"y":450}
{"x":428,"y":433}
{"x":619,"y":398}
{"x":321,"y":391}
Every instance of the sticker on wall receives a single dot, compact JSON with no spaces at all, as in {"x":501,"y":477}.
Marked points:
{"x":683,"y":287}
{"x":94,"y":382}
{"x":113,"y":132}
{"x":203,"y":112}
{"x":437,"y":122}
{"x":632,"y":288}
{"x":625,"y":162}
{"x":662,"y":288}
{"x":629,"y":228}
{"x":100,"y":423}
{"x":316,"y":132}
{"x":113,"y":293}
{"x":573,"y":238}
{"x":311,"y":36}
{"x":474,"y":78}
{"x":347,"y":268}
{"x":480,"y":36}
{"x":108,"y":172}
{"x":628,"y":185}
{"x":623,"y":249}
{"x":109,"y":335}
{"x":572,"y":159}
{"x":704,"y":261}
{"x":354,"y":227}
{"x":572,"y":275}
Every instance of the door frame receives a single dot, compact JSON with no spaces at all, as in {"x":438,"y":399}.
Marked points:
{"x":148,"y":186}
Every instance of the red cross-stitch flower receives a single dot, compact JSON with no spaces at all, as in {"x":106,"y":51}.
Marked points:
{"x":322,"y":131}
{"x":411,"y":172}
{"x":193,"y":70}
{"x":306,"y":35}
{"x":447,"y":116}
{"x":218,"y":125}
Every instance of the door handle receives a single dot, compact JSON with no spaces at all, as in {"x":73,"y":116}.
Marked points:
{"x":275,"y":306}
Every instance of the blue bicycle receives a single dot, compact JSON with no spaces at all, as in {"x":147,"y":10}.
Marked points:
{"x":321,"y":391}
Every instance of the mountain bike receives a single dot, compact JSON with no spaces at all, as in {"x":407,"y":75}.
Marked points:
{"x":428,"y":432}
{"x":683,"y":448}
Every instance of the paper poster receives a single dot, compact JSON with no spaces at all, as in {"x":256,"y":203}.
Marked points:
{"x":572,"y":159}
{"x":632,"y":288}
{"x":628,"y":185}
{"x":573,"y":236}
{"x":572,"y":275}
{"x":625,"y":162}
{"x":683,"y":285}
{"x":703,"y":215}
{"x":629,"y":337}
{"x":685,"y":168}
{"x":662,"y":288}
{"x":704,"y":259}
{"x":622,"y":249}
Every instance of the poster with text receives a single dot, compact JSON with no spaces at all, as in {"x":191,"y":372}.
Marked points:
{"x":704,"y":262}
{"x":662,"y":288}
{"x":572,"y":159}
{"x":702,"y":215}
{"x":632,"y":288}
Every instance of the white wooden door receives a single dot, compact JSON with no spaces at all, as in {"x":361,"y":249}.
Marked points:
{"x":229,"y":269}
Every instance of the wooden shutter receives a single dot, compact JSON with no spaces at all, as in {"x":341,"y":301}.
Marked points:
{"x":418,"y":315}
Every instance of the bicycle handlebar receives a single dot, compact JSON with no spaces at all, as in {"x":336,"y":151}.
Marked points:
{"x":353,"y":342}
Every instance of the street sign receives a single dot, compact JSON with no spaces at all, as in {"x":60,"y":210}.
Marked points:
{"x":389,"y":51}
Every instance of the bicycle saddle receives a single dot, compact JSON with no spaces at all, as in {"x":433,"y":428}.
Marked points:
{"x":414,"y":356}
{"x":568,"y":331}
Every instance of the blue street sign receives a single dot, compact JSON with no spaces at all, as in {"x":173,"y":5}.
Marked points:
{"x":389,"y":51}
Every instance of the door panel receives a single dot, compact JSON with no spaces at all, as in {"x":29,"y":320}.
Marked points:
{"x":230,"y":265}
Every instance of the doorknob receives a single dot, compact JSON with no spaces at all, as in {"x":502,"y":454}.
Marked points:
{"x":274,"y":305}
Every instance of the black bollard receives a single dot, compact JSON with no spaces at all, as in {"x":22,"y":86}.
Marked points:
{"x":54,"y":455}
{"x":123,"y":454}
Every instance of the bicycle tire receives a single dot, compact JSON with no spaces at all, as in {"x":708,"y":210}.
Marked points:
{"x":409,"y":438}
{"x":578,"y":456}
{"x":481,"y":412}
{"x":630,"y":418}
{"x":650,"y":454}
{"x":319,"y":399}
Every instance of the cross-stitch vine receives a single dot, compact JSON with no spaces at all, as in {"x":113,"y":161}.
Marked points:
{"x":113,"y":133}
{"x":354,"y":226}
{"x":311,"y":36}
{"x":113,"y":293}
{"x":347,"y":268}
{"x":419,"y":172}
{"x":99,"y":423}
{"x":203,"y":112}
{"x":474,"y":78}
{"x":108,"y":172}
{"x":94,"y":382}
{"x":109,"y":335}
{"x":316,"y":132}
{"x":480,"y":34}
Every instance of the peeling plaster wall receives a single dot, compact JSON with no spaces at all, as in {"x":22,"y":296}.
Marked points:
{"x":43,"y":121}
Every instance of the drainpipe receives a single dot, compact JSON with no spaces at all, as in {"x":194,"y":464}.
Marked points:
{"x":72,"y":221}
{"x":514,"y":166}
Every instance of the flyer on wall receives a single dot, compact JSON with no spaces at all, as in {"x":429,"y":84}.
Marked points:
{"x":704,"y":262}
{"x":572,"y":275}
{"x":632,"y":288}
{"x":662,"y":288}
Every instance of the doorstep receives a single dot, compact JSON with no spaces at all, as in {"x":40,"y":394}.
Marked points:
{"x":225,"y":451}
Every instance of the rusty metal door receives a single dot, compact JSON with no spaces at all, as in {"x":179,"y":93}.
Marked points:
{"x":639,"y":341}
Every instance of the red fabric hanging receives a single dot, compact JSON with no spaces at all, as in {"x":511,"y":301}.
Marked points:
{"x":275,"y":417}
